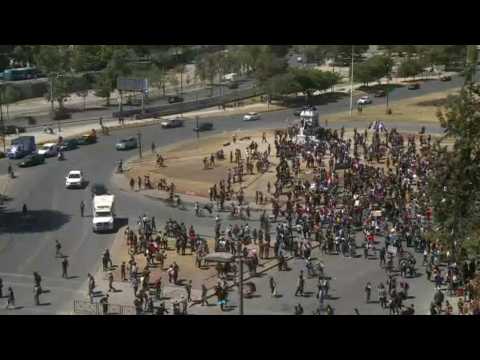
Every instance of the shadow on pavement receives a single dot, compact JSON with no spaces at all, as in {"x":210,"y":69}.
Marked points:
{"x":34,"y":221}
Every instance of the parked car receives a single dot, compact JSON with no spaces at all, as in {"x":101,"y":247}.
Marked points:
{"x":173,"y":123}
{"x":48,"y":150}
{"x":74,"y":179}
{"x":175,"y":99}
{"x":446,"y":78}
{"x":364,"y":100}
{"x":68,"y":145}
{"x":203,"y":127}
{"x":12,"y":129}
{"x":414,"y":86}
{"x":380,"y":93}
{"x":127,"y":144}
{"x":32,"y":160}
{"x":251,"y":117}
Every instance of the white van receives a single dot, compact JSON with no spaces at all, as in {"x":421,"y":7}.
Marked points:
{"x":103,"y":213}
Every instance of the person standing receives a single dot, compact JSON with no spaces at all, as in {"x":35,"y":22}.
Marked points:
{"x":104,"y":303}
{"x":123,"y":271}
{"x":1,"y":288}
{"x":135,"y":285}
{"x":58,"y":248}
{"x":65,"y":268}
{"x":91,"y":287}
{"x":368,"y":291}
{"x":300,"y":284}
{"x":204,"y":295}
{"x":10,"y":298}
{"x":82,"y":208}
{"x":188,"y":288}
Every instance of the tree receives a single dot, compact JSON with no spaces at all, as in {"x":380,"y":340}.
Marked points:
{"x":82,"y":85}
{"x":10,"y":95}
{"x":281,"y":84}
{"x":104,"y":87}
{"x":89,"y":57}
{"x":309,"y":81}
{"x":269,"y":65}
{"x":410,"y":68}
{"x":454,"y":185}
{"x":374,"y":69}
{"x":472,"y":61}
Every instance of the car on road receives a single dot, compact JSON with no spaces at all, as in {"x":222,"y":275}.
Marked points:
{"x":126,"y":144}
{"x":32,"y":160}
{"x":74,"y":179}
{"x":68,"y":145}
{"x":12,"y":129}
{"x":446,"y":78}
{"x":251,"y":117}
{"x":87,"y":139}
{"x":99,"y":190}
{"x":48,"y":150}
{"x":203,"y":127}
{"x":380,"y":93}
{"x":175,"y":99}
{"x":173,"y":123}
{"x":364,"y":100}
{"x":414,"y":86}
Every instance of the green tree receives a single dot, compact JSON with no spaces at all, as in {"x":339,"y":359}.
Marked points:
{"x":89,"y":57}
{"x":472,"y":61}
{"x":454,"y":185}
{"x":309,"y":81}
{"x":81,"y":86}
{"x":104,"y":87}
{"x":10,"y":95}
{"x":281,"y":84}
{"x":410,"y":68}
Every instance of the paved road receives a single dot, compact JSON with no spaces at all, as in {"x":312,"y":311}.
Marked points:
{"x":27,"y":245}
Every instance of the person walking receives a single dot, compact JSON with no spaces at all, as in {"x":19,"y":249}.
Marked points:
{"x":91,"y":287}
{"x":135,"y":286}
{"x":300,"y":284}
{"x":104,"y":303}
{"x":36,"y":294}
{"x":10,"y":298}
{"x":58,"y":248}
{"x":65,"y":268}
{"x":188,"y":288}
{"x":368,"y":291}
{"x":273,"y":287}
{"x":204,"y":295}
{"x":110,"y":282}
{"x":123,"y":271}
{"x":82,"y":208}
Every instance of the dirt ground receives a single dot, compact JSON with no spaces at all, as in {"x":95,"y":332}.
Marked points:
{"x":419,"y":109}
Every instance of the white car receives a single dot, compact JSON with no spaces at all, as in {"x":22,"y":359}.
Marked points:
{"x":74,"y":179}
{"x":251,"y":117}
{"x":48,"y":150}
{"x":364,"y":100}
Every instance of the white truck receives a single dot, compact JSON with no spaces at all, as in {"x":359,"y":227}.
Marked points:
{"x":310,"y":117}
{"x":103,"y":213}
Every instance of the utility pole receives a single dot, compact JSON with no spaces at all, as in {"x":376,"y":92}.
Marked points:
{"x":1,"y":120}
{"x":351,"y":84}
{"x":51,"y":95}
{"x":139,"y":136}
{"x":196,"y":126}
{"x":240,"y":281}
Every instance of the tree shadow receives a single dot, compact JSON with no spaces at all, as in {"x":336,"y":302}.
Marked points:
{"x":35,"y":221}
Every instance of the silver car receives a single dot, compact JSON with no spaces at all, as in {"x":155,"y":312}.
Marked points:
{"x":126,"y":144}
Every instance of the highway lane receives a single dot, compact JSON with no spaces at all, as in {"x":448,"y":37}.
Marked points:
{"x":27,"y":245}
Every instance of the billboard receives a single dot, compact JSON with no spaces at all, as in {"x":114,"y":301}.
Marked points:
{"x":129,"y":84}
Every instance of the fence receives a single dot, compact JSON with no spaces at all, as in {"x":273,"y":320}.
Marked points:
{"x":81,"y":307}
{"x":191,"y":105}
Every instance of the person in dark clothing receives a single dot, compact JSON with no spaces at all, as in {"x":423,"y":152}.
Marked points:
{"x":104,"y":303}
{"x":300,"y":284}
{"x":10,"y":298}
{"x":24,"y":210}
{"x":82,"y":208}
{"x":65,"y":268}
{"x":204,"y":295}
{"x":188,"y":288}
{"x":58,"y":248}
{"x":123,"y":271}
{"x":298,"y":309}
{"x":368,"y":291}
{"x":37,"y":291}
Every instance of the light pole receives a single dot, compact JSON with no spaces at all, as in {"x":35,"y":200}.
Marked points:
{"x":351,"y":84}
{"x":197,"y":130}
{"x":240,"y":280}
{"x":1,"y":120}
{"x":139,"y":136}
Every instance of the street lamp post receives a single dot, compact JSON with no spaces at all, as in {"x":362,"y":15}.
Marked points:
{"x":351,"y":84}
{"x":139,"y":136}
{"x":2,"y":122}
{"x":240,"y":280}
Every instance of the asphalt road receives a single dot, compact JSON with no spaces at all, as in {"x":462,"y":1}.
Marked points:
{"x":28,"y":245}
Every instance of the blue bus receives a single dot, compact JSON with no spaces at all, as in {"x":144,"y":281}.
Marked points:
{"x":26,"y":73}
